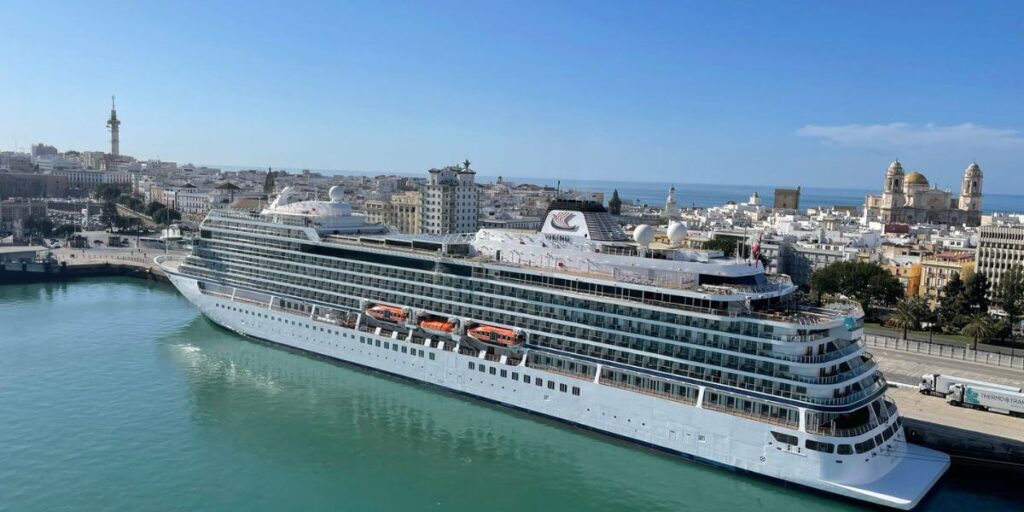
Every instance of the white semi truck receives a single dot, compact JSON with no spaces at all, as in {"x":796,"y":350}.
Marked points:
{"x":986,"y":399}
{"x":936,"y":384}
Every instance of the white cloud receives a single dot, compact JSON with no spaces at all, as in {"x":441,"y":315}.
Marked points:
{"x":907,"y":135}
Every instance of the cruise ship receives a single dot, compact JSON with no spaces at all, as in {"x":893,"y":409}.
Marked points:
{"x":685,"y":351}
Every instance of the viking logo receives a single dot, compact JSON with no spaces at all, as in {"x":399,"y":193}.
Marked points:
{"x":561,"y":221}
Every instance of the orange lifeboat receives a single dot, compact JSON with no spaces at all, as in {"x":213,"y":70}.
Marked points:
{"x":495,"y":335}
{"x":387,"y":313}
{"x":438,"y":326}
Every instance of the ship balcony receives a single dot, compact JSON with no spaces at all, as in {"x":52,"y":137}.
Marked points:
{"x":864,"y":368}
{"x":857,"y":423}
{"x":814,"y":359}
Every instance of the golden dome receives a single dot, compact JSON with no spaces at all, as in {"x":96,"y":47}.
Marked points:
{"x":916,"y":178}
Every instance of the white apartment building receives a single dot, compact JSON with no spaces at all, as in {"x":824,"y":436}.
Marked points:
{"x":451,"y":202}
{"x":999,"y":248}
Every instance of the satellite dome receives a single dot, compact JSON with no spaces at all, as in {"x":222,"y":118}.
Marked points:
{"x":336,"y":193}
{"x":643,"y":235}
{"x":676,"y":232}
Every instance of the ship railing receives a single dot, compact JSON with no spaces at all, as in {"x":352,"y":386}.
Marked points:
{"x":820,"y":358}
{"x":835,"y":377}
{"x":763,"y":418}
{"x":830,"y":430}
{"x":647,"y":391}
{"x":560,"y":371}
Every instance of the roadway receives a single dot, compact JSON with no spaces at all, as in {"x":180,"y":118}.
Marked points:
{"x":917,"y":336}
{"x":907,"y":368}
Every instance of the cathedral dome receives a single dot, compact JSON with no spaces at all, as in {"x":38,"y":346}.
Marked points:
{"x":973,"y":170}
{"x":896,"y":167}
{"x":916,"y":178}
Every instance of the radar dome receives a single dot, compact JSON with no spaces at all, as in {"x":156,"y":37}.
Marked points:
{"x":643,"y":235}
{"x":336,"y":193}
{"x":676,"y":233}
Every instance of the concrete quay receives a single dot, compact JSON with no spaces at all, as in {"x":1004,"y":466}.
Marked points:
{"x":80,"y":263}
{"x":969,"y":436}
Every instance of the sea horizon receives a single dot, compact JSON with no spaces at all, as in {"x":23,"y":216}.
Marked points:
{"x":700,"y":195}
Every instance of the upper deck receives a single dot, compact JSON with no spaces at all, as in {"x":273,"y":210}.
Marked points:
{"x":709,"y":287}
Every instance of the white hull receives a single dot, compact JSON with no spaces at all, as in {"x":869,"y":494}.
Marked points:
{"x":896,"y":474}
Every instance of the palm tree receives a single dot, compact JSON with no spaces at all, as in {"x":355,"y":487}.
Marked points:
{"x":907,"y":315}
{"x":980,"y":327}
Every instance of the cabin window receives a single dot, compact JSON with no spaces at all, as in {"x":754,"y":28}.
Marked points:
{"x":576,"y":390}
{"x":431,"y":356}
{"x":785,"y":438}
{"x":404,"y":350}
{"x":819,"y":446}
{"x":844,"y":449}
{"x":526,"y":379}
{"x":493,"y":371}
{"x":865,"y":446}
{"x":515,"y":376}
{"x":551,"y":384}
{"x":472,"y":365}
{"x":563,"y":388}
{"x":387,"y":345}
{"x":539,"y":382}
{"x":482,"y":368}
{"x":504,"y":373}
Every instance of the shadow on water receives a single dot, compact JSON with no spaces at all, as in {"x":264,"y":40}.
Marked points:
{"x":435,"y":445}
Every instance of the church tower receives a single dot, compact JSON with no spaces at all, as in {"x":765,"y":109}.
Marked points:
{"x":892,"y":195}
{"x":671,"y":210}
{"x":970,"y":189}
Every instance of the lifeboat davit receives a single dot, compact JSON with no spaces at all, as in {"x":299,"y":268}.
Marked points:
{"x":387,"y":313}
{"x":438,"y":326}
{"x":494,"y":335}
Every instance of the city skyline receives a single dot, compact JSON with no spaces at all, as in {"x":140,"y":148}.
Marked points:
{"x":810,"y":95}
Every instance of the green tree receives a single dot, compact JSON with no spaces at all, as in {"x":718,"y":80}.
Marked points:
{"x":108,"y":192}
{"x":976,"y":290}
{"x":109,"y":216}
{"x":37,"y":225}
{"x":867,"y":283}
{"x":153,"y":206}
{"x":979,"y":328}
{"x":726,"y":244}
{"x":130,"y":201}
{"x":953,"y":307}
{"x":166,"y":216}
{"x":1009,"y":294}
{"x":908,"y":315}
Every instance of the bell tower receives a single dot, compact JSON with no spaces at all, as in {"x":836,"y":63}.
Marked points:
{"x":892,"y":195}
{"x":970,"y":189}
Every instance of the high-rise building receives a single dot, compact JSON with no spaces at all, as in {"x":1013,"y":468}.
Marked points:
{"x":999,"y":248}
{"x":43,"y":150}
{"x":451,"y":201}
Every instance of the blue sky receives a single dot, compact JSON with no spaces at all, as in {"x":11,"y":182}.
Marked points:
{"x":774,"y":93}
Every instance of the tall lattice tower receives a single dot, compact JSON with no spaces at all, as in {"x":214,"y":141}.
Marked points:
{"x":114,"y":124}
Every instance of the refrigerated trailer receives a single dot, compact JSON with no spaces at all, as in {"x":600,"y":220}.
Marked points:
{"x":977,"y":397}
{"x":936,"y":384}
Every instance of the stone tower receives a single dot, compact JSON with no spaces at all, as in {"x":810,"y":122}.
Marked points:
{"x":970,"y":189}
{"x":892,"y":195}
{"x":115,"y":129}
{"x":671,"y":210}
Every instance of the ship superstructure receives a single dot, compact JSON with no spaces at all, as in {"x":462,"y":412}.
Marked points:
{"x":705,"y":357}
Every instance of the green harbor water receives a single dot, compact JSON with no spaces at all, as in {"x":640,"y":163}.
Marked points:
{"x":116,"y":394}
